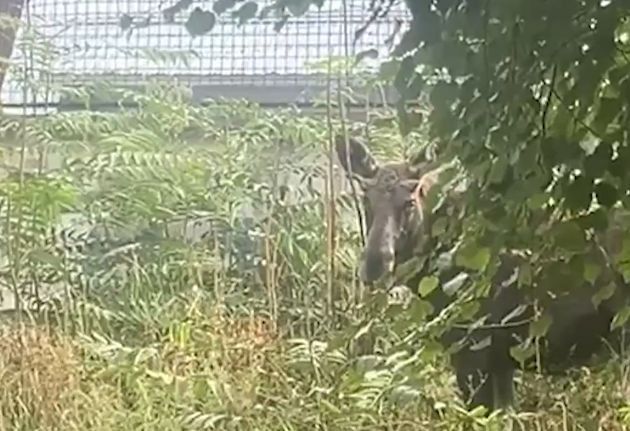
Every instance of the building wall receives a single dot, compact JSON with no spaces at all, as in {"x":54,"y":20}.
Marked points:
{"x":87,"y":40}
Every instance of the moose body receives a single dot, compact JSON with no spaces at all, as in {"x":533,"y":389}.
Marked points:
{"x":397,"y":228}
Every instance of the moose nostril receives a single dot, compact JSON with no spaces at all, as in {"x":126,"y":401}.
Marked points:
{"x":375,"y":266}
{"x":370,"y":272}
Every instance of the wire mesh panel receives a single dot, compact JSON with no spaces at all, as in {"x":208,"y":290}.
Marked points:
{"x":125,"y":40}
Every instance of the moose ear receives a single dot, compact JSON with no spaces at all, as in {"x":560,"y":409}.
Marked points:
{"x":427,"y":181}
{"x":362,"y":163}
{"x":420,"y":167}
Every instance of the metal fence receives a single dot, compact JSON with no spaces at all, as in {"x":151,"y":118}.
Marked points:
{"x":125,"y":41}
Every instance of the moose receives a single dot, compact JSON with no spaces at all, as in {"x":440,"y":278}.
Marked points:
{"x":398,"y":222}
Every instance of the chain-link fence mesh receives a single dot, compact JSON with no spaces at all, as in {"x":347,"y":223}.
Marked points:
{"x":75,"y":41}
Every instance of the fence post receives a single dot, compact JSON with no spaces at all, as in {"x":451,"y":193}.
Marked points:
{"x":13,"y":10}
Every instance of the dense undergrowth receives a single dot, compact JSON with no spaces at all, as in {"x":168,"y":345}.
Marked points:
{"x":171,"y":267}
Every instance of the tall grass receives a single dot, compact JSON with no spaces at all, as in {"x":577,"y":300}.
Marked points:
{"x":169,"y":265}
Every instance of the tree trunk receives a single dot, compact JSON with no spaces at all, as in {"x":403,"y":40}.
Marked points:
{"x":12,"y":9}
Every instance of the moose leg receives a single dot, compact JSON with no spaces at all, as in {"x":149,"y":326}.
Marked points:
{"x":503,"y":387}
{"x":493,"y":389}
{"x":473,"y":377}
{"x":476,"y":387}
{"x":486,"y":375}
{"x":502,"y":367}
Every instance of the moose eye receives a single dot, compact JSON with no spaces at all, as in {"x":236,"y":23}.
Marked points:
{"x":410,"y":185}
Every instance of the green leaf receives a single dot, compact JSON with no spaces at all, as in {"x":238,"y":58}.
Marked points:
{"x":427,"y":285}
{"x":570,"y":236}
{"x":537,"y":200}
{"x":540,"y":326}
{"x":246,"y":12}
{"x":497,"y":170}
{"x":527,"y":160}
{"x":624,"y":268}
{"x":525,"y":275}
{"x":469,"y":310}
{"x":221,"y":6}
{"x":609,"y":109}
{"x":598,"y":220}
{"x":618,"y":74}
{"x":419,"y":310}
{"x":618,"y":166}
{"x":125,"y":22}
{"x":557,"y":151}
{"x":603,"y":293}
{"x":409,"y":269}
{"x":298,"y":7}
{"x":482,"y":344}
{"x":200,"y":22}
{"x":515,"y":314}
{"x":606,"y":194}
{"x":592,"y":271}
{"x":170,"y":12}
{"x":620,"y":318}
{"x":523,"y":351}
{"x":279,"y":25}
{"x":598,"y":163}
{"x":578,"y":194}
{"x":473,"y":257}
{"x":444,"y":261}
{"x":561,"y":276}
{"x":455,"y":283}
{"x":430,"y":349}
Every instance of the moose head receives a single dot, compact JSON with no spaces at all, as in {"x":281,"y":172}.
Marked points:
{"x":393,"y":202}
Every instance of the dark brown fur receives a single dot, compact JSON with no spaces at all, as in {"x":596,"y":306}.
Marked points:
{"x":396,"y":219}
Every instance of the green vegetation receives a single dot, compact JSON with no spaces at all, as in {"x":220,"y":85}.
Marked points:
{"x":150,"y":328}
{"x":131,"y":318}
